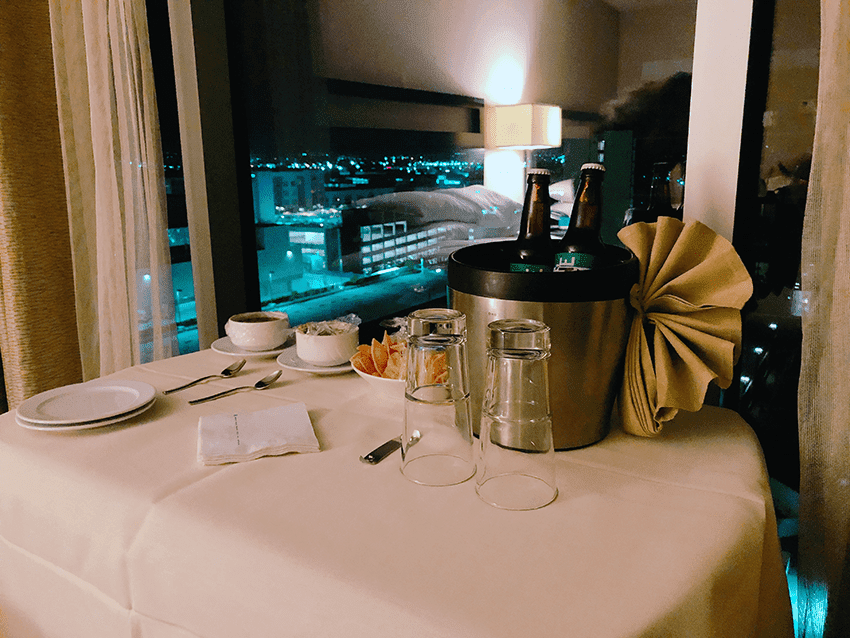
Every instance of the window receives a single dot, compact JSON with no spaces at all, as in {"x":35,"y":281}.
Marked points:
{"x":328,"y":123}
{"x":769,"y":226}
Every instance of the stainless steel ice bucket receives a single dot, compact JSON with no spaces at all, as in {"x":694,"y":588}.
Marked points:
{"x":589,"y":316}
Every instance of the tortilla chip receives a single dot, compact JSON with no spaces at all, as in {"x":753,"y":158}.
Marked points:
{"x":387,"y":358}
{"x":436,"y":368}
{"x":395,"y":363}
{"x":399,"y":346}
{"x":364,"y":350}
{"x":380,"y":356}
{"x":363,"y":362}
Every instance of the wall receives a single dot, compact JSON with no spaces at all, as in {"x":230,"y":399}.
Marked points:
{"x":721,"y":53}
{"x":655,"y":43}
{"x":553,"y":51}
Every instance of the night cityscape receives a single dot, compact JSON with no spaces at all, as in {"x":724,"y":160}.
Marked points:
{"x":315,"y":240}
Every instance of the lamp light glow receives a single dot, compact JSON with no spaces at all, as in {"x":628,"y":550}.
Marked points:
{"x":504,"y":172}
{"x":505,"y":81}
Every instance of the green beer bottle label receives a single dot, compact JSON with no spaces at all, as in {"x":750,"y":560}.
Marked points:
{"x":574,"y":261}
{"x":528,"y":268}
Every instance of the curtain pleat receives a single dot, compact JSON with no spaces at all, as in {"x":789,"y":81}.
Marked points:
{"x":824,"y":390}
{"x":117,"y":207}
{"x":38,"y":329}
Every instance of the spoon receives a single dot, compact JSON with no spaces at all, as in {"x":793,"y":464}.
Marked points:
{"x":229,"y":371}
{"x":262,"y":384}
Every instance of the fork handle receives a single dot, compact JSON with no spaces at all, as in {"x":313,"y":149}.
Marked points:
{"x":218,"y":394}
{"x":191,"y":383}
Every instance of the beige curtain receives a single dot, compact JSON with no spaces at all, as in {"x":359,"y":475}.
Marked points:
{"x":824,"y":396}
{"x":116,"y":186}
{"x":38,"y":332}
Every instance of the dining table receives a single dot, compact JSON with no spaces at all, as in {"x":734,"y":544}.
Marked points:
{"x":120,"y":531}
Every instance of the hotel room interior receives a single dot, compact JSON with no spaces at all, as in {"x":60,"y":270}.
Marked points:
{"x":324,"y":157}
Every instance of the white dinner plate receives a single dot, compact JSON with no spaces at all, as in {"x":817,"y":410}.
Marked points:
{"x":289,"y":359}
{"x":86,"y":425}
{"x":225,"y":346}
{"x":86,"y":402}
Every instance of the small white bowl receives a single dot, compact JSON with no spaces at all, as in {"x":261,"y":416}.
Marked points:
{"x":327,"y":349}
{"x":258,"y":331}
{"x":388,"y":387}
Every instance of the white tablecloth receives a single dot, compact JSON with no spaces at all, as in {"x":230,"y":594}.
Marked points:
{"x":119,"y":531}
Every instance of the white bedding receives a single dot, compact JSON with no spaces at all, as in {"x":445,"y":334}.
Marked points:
{"x":474,"y":205}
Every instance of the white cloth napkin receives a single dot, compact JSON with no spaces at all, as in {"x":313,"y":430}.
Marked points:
{"x":230,"y":438}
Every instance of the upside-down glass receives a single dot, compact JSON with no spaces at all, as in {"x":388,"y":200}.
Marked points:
{"x":517,"y":465}
{"x":437,"y":446}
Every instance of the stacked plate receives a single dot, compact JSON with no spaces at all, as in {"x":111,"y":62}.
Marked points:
{"x":87,"y":405}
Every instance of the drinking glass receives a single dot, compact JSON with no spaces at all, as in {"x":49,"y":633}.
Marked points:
{"x":437,"y":446}
{"x":517,"y":456}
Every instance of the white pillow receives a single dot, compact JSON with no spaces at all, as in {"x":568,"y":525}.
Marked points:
{"x":562,"y":191}
{"x":559,"y":209}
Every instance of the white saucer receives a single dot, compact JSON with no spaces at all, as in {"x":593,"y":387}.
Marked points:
{"x":225,"y":346}
{"x":289,"y":360}
{"x":86,"y":402}
{"x":86,"y":425}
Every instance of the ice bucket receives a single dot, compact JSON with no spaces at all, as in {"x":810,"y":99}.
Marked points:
{"x":588,"y":313}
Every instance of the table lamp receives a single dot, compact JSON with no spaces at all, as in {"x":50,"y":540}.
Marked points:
{"x":522,"y":126}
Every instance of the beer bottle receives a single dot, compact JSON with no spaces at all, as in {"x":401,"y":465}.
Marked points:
{"x":581,"y":247}
{"x":660,"y":201}
{"x":533,"y":250}
{"x":677,"y":189}
{"x":660,"y":204}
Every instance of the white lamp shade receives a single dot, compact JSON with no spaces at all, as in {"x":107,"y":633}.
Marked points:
{"x":522,"y":126}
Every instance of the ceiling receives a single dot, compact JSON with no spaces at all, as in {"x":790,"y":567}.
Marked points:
{"x":634,"y":5}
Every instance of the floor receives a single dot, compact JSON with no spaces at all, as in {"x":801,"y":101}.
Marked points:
{"x":786,"y":504}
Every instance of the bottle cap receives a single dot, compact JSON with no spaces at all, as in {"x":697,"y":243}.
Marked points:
{"x":538,"y":171}
{"x":593,"y":166}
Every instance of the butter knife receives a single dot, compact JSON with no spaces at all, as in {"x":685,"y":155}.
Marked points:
{"x":382,"y":451}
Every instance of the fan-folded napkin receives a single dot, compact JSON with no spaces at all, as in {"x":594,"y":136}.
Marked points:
{"x":229,"y":438}
{"x":687,"y":328}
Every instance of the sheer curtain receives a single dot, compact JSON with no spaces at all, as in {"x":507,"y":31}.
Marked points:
{"x":114,"y":182}
{"x":824,"y":393}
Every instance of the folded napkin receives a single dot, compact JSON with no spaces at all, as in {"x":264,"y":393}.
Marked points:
{"x":229,"y":438}
{"x":687,"y":328}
